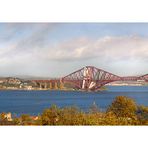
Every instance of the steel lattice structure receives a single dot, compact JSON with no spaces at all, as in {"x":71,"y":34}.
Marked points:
{"x":144,"y":77}
{"x":92,"y":78}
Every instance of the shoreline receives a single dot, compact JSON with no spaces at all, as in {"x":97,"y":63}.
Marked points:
{"x":103,"y":89}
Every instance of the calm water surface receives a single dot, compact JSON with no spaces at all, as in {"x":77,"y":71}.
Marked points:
{"x":34,"y":102}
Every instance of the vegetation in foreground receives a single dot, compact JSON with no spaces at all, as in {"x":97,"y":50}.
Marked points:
{"x":122,"y":111}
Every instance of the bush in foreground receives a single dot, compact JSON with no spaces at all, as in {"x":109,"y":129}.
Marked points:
{"x":123,"y":107}
{"x":122,"y":111}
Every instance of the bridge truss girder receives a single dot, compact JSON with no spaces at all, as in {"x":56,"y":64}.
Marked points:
{"x":90,"y":78}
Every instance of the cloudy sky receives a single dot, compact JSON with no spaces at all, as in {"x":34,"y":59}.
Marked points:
{"x":57,"y":49}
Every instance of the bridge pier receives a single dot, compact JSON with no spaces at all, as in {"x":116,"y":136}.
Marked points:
{"x":55,"y":85}
{"x":87,"y":78}
{"x":45,"y":85}
{"x":61,"y":86}
{"x":40,"y":85}
{"x":50,"y":85}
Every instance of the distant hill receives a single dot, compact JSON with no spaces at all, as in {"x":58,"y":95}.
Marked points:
{"x":27,"y":77}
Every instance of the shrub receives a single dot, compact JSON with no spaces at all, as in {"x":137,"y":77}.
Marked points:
{"x":26,"y":119}
{"x":142,"y":113}
{"x":123,"y":107}
{"x":50,"y":116}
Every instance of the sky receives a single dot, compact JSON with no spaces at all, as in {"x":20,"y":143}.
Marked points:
{"x":57,"y":49}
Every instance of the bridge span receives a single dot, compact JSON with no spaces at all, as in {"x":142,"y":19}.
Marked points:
{"x":89,"y":78}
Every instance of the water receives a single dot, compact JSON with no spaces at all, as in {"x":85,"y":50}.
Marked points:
{"x":34,"y":102}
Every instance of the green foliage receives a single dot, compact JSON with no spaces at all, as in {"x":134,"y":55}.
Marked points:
{"x":2,"y":117}
{"x":56,"y":116}
{"x":122,"y":111}
{"x":123,"y":107}
{"x":25,"y":119}
{"x":142,"y":113}
{"x":50,"y":116}
{"x":16,"y":121}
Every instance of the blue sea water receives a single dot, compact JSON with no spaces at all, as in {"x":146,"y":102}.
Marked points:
{"x":34,"y":102}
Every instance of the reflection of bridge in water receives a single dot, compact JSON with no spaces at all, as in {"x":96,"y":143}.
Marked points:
{"x":87,"y":78}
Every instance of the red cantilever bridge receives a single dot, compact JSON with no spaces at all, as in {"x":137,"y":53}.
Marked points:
{"x":92,"y":78}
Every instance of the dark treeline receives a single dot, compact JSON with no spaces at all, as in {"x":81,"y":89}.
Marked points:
{"x":122,"y":111}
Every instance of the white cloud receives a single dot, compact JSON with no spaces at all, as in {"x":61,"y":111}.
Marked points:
{"x":106,"y":48}
{"x":117,"y":54}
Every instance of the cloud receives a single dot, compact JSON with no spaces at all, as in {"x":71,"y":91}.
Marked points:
{"x":108,"y":48}
{"x":38,"y":38}
{"x":34,"y":40}
{"x":27,"y":48}
{"x":23,"y":38}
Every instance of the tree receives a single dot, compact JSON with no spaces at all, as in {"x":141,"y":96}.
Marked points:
{"x":50,"y":116}
{"x":142,"y":113}
{"x":3,"y":117}
{"x":16,"y":121}
{"x":26,"y":119}
{"x":123,"y":107}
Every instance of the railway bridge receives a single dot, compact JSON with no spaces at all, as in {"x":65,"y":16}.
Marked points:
{"x":88,"y":78}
